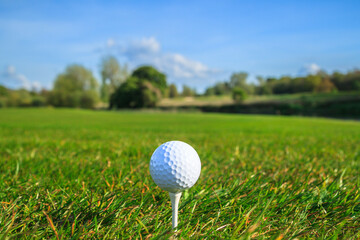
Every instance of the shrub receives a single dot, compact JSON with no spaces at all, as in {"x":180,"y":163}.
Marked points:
{"x":88,"y":99}
{"x":239,"y":94}
{"x":38,"y":101}
{"x":2,"y":102}
{"x":135,"y":93}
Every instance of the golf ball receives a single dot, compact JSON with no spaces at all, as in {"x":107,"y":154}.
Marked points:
{"x":175,"y":166}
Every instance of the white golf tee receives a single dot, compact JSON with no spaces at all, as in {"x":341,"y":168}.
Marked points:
{"x":175,"y":199}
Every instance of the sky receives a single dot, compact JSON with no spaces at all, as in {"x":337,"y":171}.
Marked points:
{"x":196,"y":43}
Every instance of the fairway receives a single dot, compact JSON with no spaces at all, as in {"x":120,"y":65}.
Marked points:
{"x":77,"y":174}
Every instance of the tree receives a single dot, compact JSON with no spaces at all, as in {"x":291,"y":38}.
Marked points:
{"x":309,"y":84}
{"x":173,"y":92}
{"x":88,"y":99}
{"x":144,"y":88}
{"x":261,"y":80}
{"x":281,"y":85}
{"x":4,"y":93}
{"x":325,"y":86}
{"x":222,"y":88}
{"x":112,"y":75}
{"x":25,"y":98}
{"x":209,"y":91}
{"x":351,"y":81}
{"x":188,"y":91}
{"x":150,"y":74}
{"x":238,"y":80}
{"x":264,"y":87}
{"x":239,"y":94}
{"x":72,"y":87}
{"x":135,"y":93}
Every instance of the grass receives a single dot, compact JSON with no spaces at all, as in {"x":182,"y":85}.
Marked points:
{"x":196,"y":101}
{"x":227,"y":99}
{"x":74,"y":174}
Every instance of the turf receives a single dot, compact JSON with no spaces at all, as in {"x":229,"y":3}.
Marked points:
{"x":74,"y":174}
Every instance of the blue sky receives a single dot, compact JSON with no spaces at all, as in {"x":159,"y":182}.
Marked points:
{"x":194,"y":42}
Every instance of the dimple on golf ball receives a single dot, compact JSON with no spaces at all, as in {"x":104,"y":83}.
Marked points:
{"x":175,"y":166}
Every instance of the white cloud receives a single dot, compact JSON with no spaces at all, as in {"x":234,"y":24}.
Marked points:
{"x":312,"y":68}
{"x":182,"y":67}
{"x":12,"y":78}
{"x":178,"y":67}
{"x":144,"y":49}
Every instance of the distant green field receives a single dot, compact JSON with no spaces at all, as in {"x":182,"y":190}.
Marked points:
{"x":227,"y":99}
{"x":71,"y":174}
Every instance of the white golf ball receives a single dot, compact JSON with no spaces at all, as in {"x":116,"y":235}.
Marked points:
{"x":175,"y":166}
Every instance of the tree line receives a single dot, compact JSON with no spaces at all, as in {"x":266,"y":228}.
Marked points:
{"x":320,"y":82}
{"x":145,"y":86}
{"x":76,"y":87}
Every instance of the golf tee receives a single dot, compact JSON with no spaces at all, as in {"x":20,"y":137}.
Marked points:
{"x":175,"y":199}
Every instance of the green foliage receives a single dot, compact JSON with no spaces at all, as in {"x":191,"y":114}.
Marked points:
{"x":74,"y":87}
{"x":150,"y":94}
{"x":112,"y":75}
{"x":333,"y":104}
{"x":264,"y":89}
{"x":239,"y":94}
{"x":38,"y":101}
{"x":320,"y":82}
{"x":24,"y":98}
{"x":220,"y":88}
{"x":60,"y":98}
{"x":3,"y":91}
{"x":2,"y":102}
{"x":188,"y":91}
{"x":135,"y":93}
{"x":143,"y":89}
{"x":326,"y":86}
{"x":4,"y":96}
{"x":173,"y":92}
{"x":75,"y":78}
{"x":127,"y":94}
{"x":346,"y":82}
{"x":80,"y":174}
{"x":88,"y":99}
{"x":210,"y":91}
{"x":150,"y":74}
{"x":238,"y":80}
{"x":20,"y":98}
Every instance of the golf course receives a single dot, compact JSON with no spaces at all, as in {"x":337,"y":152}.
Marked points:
{"x":84,"y":174}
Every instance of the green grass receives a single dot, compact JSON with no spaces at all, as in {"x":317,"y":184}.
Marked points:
{"x":74,"y":174}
